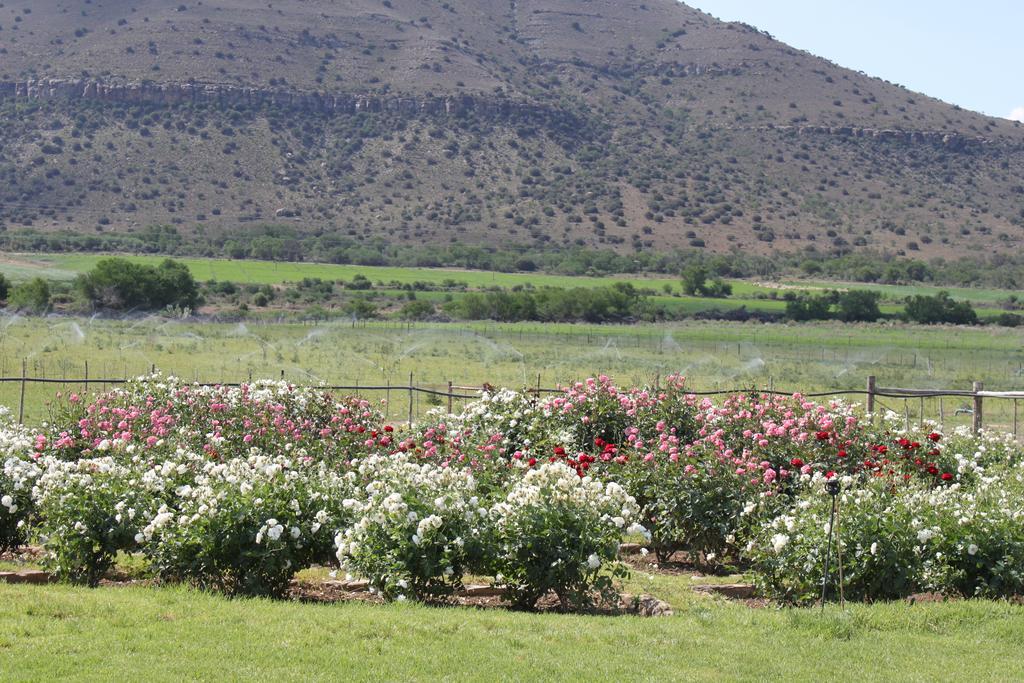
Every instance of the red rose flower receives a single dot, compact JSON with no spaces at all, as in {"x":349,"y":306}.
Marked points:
{"x":946,"y":476}
{"x":935,"y":436}
{"x":796,"y":462}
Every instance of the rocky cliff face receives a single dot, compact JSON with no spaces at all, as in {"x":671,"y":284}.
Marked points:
{"x":220,"y":95}
{"x":169,"y":94}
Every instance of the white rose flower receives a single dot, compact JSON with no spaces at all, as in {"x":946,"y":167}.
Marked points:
{"x":972,"y":549}
{"x":779,"y":541}
{"x":593,"y":561}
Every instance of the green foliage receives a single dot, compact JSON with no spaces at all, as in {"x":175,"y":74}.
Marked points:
{"x":810,"y":307}
{"x":558,"y":532}
{"x":694,"y":504}
{"x":858,"y":305}
{"x":596,"y":305}
{"x":5,"y":287}
{"x":89,"y":510}
{"x":247,"y":526}
{"x":695,"y":283}
{"x":121,"y":284}
{"x":418,"y":531}
{"x":938,"y":309}
{"x":30,"y":297}
{"x":417,"y":310}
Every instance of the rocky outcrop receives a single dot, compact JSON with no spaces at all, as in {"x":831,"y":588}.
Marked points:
{"x":170,"y":94}
{"x":951,"y":141}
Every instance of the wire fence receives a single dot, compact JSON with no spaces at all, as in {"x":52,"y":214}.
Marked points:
{"x":407,"y":401}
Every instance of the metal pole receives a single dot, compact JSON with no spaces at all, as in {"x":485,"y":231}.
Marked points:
{"x":410,"y":399}
{"x":978,"y":418}
{"x":21,"y":403}
{"x":920,"y":417}
{"x":85,"y":384}
{"x":828,"y":554}
{"x":449,"y":397}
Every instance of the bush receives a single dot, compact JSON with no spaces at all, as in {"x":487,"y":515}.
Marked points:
{"x":693,"y":503}
{"x":30,"y":297}
{"x":899,"y":539}
{"x":89,"y":510}
{"x":557,"y":531}
{"x":881,"y":555}
{"x":246,"y":526}
{"x":118,"y":283}
{"x":979,"y":544}
{"x":934,"y":310}
{"x":18,"y":474}
{"x":418,"y":530}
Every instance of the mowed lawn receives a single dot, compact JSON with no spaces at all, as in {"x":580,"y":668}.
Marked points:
{"x":174,"y":634}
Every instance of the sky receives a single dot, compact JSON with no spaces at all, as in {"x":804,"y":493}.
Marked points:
{"x":966,"y":53}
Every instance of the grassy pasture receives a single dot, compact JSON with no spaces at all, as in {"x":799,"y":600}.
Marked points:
{"x":713,"y":355}
{"x":745,"y":292}
{"x":174,"y":634}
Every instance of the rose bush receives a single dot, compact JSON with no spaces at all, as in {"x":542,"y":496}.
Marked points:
{"x":236,"y":488}
{"x":246,"y":526}
{"x":416,"y":532}
{"x":89,"y":510}
{"x":557,"y":531}
{"x":18,"y":473}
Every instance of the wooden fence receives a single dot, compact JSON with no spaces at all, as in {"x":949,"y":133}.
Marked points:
{"x":871,"y":395}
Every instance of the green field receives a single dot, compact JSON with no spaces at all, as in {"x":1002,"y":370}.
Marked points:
{"x":64,"y":267}
{"x":169,"y":634}
{"x":713,"y":355}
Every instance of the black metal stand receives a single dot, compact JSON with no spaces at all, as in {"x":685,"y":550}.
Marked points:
{"x":832,"y":487}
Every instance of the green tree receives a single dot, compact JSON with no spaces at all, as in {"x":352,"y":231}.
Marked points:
{"x":30,"y":297}
{"x":933,"y":310}
{"x":810,"y":307}
{"x":694,"y":280}
{"x":416,"y":310}
{"x":122,"y":284}
{"x":859,"y":305}
{"x":5,"y":287}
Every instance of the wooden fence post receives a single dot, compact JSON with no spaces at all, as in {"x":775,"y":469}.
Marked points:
{"x":1014,"y":417}
{"x":871,"y":397}
{"x":21,"y":402}
{"x":449,"y":397}
{"x":978,"y":421}
{"x":410,"y":399}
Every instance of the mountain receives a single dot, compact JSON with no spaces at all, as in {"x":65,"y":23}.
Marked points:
{"x":287,"y":127}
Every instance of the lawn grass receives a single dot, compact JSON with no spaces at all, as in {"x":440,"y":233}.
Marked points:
{"x":176,"y":634}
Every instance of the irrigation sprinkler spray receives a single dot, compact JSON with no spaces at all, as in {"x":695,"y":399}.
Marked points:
{"x":832,"y":487}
